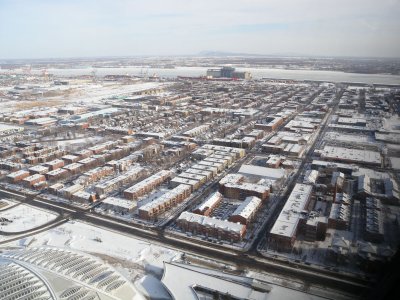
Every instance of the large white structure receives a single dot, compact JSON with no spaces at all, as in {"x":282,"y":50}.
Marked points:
{"x":57,"y":273}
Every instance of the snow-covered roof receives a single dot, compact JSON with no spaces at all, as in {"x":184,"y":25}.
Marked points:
{"x":288,"y":219}
{"x":149,"y":181}
{"x":247,"y":207}
{"x":210,"y":201}
{"x":119,"y":203}
{"x":363,"y":156}
{"x":212,"y":222}
{"x":182,"y":282}
{"x":165,"y":198}
{"x":270,"y":173}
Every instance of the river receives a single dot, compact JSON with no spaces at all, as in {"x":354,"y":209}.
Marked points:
{"x":330,"y":76}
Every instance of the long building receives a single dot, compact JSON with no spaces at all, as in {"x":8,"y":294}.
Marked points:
{"x":207,"y":206}
{"x":146,"y":185}
{"x":211,"y":227}
{"x":165,"y":202}
{"x":234,"y":186}
{"x":117,"y":182}
{"x":283,"y":233}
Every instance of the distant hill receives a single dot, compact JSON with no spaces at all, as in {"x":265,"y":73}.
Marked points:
{"x":222,"y":53}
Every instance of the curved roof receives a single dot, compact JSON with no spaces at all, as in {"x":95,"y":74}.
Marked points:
{"x":57,"y":273}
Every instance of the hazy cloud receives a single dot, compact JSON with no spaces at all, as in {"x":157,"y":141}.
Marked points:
{"x":62,"y":28}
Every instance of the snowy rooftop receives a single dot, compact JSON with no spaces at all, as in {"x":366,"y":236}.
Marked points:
{"x":363,"y":156}
{"x":248,"y":207}
{"x":212,"y":222}
{"x":18,"y":173}
{"x":183,"y":280}
{"x":119,"y":202}
{"x":287,"y":221}
{"x":210,"y":201}
{"x":269,"y":173}
{"x":180,"y":189}
{"x":340,"y":212}
{"x":152,"y":180}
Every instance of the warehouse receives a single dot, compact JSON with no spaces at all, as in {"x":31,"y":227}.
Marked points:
{"x":9,"y":129}
{"x":351,"y":155}
{"x":272,"y":174}
{"x":321,"y":164}
{"x":43,"y":122}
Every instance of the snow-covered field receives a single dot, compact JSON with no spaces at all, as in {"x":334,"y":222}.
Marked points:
{"x":95,"y":92}
{"x":138,"y":260}
{"x":89,"y":93}
{"x":117,"y":249}
{"x":6,"y":204}
{"x":24,"y":217}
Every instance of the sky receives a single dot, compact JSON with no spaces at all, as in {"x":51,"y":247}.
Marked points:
{"x":88,"y":28}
